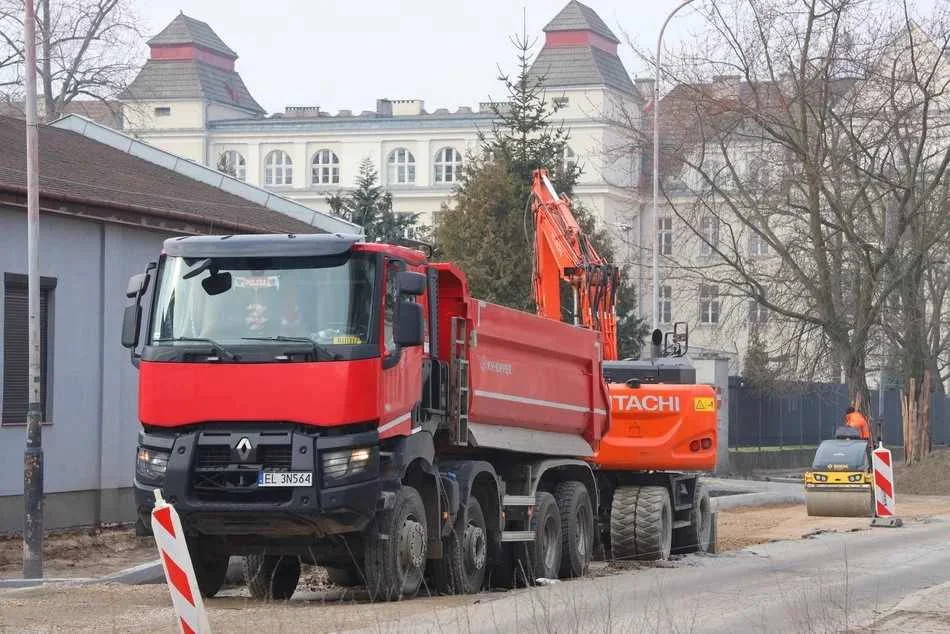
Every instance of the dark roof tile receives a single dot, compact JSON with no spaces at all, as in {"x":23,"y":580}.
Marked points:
{"x":190,"y":79}
{"x":579,"y":17}
{"x":73,"y":167}
{"x":185,"y":30}
{"x":581,"y":66}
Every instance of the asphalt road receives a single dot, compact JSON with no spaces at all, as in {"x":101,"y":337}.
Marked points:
{"x":829,"y":583}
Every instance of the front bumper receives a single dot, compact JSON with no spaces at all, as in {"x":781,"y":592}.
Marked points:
{"x":213,"y":484}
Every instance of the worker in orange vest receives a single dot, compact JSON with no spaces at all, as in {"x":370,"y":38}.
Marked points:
{"x":855,"y":419}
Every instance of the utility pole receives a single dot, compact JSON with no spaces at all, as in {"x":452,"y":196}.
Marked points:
{"x":33,"y":455}
{"x":656,"y":165}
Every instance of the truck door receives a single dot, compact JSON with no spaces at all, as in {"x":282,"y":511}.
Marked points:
{"x":402,"y":367}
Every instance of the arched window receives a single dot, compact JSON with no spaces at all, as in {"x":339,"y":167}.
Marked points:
{"x":278,"y":169}
{"x":448,"y":165}
{"x":402,"y":167}
{"x":233,"y":164}
{"x":325,"y":168}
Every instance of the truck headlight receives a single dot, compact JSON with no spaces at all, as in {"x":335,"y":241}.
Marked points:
{"x":343,"y":464}
{"x":151,"y":464}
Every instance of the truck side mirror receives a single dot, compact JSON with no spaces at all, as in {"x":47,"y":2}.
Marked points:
{"x":131,"y":322}
{"x":410,"y":325}
{"x":410,"y":283}
{"x":138,"y":284}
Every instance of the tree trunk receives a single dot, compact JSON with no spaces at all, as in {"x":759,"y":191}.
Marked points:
{"x":50,"y":109}
{"x":915,"y":412}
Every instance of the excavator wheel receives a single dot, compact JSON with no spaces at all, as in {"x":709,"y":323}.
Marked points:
{"x":641,"y":523}
{"x":696,"y":537}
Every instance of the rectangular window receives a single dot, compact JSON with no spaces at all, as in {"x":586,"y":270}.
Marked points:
{"x":163,"y":111}
{"x":664,"y":235}
{"x":16,"y":352}
{"x":757,"y":244}
{"x":665,"y":309}
{"x":708,"y":304}
{"x":709,"y":231}
{"x":758,"y":314}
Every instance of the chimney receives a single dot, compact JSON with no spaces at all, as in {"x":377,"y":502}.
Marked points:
{"x":725,"y":86}
{"x":406,"y":107}
{"x":384,"y":107}
{"x":646,"y":87}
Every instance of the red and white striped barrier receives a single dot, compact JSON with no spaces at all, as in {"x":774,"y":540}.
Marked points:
{"x":884,"y":502}
{"x":182,"y":583}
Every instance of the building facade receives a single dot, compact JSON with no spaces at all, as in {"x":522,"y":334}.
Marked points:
{"x":189,"y":99}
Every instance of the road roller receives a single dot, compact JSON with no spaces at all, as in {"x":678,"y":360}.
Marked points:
{"x":839,"y":482}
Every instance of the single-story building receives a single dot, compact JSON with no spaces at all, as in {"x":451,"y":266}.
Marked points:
{"x":107,"y":201}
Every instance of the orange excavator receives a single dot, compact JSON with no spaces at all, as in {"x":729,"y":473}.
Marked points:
{"x":663,"y":425}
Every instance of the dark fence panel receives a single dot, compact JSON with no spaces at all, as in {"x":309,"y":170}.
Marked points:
{"x":796,"y":414}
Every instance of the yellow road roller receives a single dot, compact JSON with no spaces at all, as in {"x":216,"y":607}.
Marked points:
{"x":839,"y":482}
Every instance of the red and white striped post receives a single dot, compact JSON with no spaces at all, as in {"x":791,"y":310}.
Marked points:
{"x":180,"y":574}
{"x":884,"y":501}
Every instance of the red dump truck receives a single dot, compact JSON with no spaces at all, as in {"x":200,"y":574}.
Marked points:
{"x":318,"y":399}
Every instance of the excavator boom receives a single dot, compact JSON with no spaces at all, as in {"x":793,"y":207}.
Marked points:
{"x":563,"y":252}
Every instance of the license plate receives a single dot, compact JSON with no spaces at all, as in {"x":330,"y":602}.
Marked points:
{"x":285,"y":478}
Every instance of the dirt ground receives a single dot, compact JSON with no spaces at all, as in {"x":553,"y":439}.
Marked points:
{"x":930,"y":477}
{"x":119,"y":608}
{"x":81,"y":553}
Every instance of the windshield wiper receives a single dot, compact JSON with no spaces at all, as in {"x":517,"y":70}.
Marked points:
{"x":317,"y":348}
{"x":221,"y":350}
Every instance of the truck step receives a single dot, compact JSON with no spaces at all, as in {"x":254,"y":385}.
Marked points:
{"x":517,"y":536}
{"x":680,"y":524}
{"x":518,"y":500}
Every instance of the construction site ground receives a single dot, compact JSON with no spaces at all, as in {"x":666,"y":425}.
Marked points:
{"x":115,"y":607}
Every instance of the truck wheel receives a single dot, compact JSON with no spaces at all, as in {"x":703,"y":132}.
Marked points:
{"x":210,"y":561}
{"x":641,"y":523}
{"x":344,"y":576}
{"x":396,"y":548}
{"x":465,"y":554}
{"x":697,"y":536}
{"x":577,"y":528}
{"x":542,"y":557}
{"x":271,"y":576}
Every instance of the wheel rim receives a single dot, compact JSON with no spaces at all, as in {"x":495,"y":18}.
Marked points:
{"x":476,"y":548}
{"x":666,"y":538}
{"x":704,"y":525}
{"x":582,"y":536}
{"x":549,"y":531}
{"x":411,"y":547}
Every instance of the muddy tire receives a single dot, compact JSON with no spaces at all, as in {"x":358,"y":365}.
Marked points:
{"x":641,"y":523}
{"x":542,"y":557}
{"x":210,"y":561}
{"x":344,"y":576}
{"x":396,"y":548}
{"x":464,"y":554}
{"x":271,"y":577}
{"x":577,"y":528}
{"x":697,"y":537}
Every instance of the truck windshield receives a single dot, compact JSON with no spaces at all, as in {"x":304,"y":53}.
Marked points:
{"x":247,"y":301}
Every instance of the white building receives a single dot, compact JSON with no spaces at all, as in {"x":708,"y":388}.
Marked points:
{"x":189,"y":99}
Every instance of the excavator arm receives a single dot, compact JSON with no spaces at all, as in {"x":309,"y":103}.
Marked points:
{"x":562,"y":251}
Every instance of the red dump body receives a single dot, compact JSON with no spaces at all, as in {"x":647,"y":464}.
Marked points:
{"x":525,"y":371}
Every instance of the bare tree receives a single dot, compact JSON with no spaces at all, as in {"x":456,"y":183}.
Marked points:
{"x":819,"y":152}
{"x":88,"y":50}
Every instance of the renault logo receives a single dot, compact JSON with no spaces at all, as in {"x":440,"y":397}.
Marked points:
{"x":243,"y":447}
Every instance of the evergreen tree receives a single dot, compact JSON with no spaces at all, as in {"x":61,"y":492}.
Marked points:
{"x":756,"y":371}
{"x":490,"y":233}
{"x":370,"y":207}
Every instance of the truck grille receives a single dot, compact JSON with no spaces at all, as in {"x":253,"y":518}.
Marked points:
{"x":223,"y":473}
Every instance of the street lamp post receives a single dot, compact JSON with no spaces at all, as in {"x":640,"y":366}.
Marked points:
{"x":656,"y":165}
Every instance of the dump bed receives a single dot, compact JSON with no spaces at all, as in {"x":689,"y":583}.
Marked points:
{"x":534,"y":384}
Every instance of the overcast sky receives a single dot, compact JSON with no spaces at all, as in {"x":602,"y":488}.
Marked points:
{"x":346,"y":54}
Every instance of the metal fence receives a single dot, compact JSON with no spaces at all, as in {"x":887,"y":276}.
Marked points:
{"x":804,"y":414}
